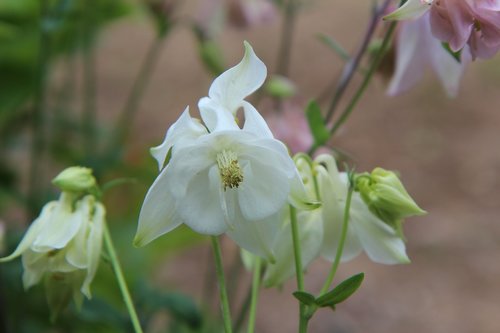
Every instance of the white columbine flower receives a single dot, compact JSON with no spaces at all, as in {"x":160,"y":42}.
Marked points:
{"x":63,"y":243}
{"x":366,"y":231}
{"x":219,"y":177}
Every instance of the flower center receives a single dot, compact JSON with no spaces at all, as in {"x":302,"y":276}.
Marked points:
{"x":229,"y":168}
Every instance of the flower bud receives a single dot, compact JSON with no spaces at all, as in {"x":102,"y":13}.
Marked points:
{"x":386,"y":196}
{"x":75,"y":179}
{"x":280,"y":86}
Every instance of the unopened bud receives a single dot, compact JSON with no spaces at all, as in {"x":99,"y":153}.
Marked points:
{"x":386,"y":196}
{"x":280,"y":86}
{"x":75,"y":179}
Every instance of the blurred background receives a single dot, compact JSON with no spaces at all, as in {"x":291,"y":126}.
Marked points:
{"x":99,"y":85}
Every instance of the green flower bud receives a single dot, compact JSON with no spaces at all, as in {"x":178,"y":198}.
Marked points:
{"x":386,"y":196}
{"x":75,"y":179}
{"x":280,"y":86}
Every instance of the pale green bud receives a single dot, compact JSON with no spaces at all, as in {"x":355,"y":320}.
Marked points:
{"x":280,"y":86}
{"x":75,"y":179}
{"x":386,"y":196}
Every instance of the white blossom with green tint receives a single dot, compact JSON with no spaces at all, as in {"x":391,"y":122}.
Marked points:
{"x":218,"y":177}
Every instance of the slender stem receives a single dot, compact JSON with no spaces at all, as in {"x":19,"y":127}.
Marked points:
{"x":283,"y":61}
{"x":243,"y":310}
{"x":121,"y":280}
{"x":352,"y":64}
{"x":340,"y":247}
{"x":126,"y":118}
{"x":89,"y":86}
{"x":255,"y":295}
{"x":303,"y":321}
{"x":226,"y":313}
{"x":374,"y":65}
{"x":39,"y":110}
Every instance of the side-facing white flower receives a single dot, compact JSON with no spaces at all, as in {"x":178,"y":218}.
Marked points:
{"x":63,"y":242}
{"x":366,"y":231}
{"x":310,"y":231}
{"x":220,"y":177}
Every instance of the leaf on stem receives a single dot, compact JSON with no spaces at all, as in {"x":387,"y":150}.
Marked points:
{"x":317,"y":124}
{"x":341,"y":292}
{"x":304,"y":297}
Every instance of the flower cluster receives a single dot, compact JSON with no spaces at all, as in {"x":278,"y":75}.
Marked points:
{"x":378,"y":207}
{"x":471,"y":25}
{"x":218,"y":177}
{"x":63,"y":245}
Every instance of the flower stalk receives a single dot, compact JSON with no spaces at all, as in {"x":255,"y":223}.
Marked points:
{"x":255,"y":294}
{"x":219,"y":270}
{"x":121,"y":280}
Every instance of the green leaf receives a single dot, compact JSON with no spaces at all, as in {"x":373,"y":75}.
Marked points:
{"x":336,"y":47}
{"x":341,"y":292}
{"x":304,"y":298}
{"x":317,"y":124}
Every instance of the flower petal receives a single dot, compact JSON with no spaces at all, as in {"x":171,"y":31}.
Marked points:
{"x":158,"y":212}
{"x":232,"y":86}
{"x":254,"y":123}
{"x":410,"y":10}
{"x":185,"y":129}
{"x":33,"y":231}
{"x":381,"y":243}
{"x":256,"y":237}
{"x":200,"y":208}
{"x":215,"y":116}
{"x":263,"y":192}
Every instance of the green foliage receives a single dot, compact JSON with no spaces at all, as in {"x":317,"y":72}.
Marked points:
{"x":317,"y":124}
{"x":341,"y":292}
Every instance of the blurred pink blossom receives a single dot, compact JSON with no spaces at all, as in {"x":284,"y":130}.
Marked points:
{"x":290,"y":126}
{"x":475,"y":23}
{"x":416,"y":49}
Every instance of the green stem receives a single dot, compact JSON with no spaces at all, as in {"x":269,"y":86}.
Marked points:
{"x":359,"y":93}
{"x":89,"y":86}
{"x":286,"y":38}
{"x":226,"y":313}
{"x":39,"y":110}
{"x":127,"y":116}
{"x":303,"y":321}
{"x":255,"y":295}
{"x":121,"y":280}
{"x":340,"y":247}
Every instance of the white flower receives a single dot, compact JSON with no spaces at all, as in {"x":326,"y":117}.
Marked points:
{"x":310,"y":231}
{"x":366,"y":231}
{"x":220,"y":177}
{"x":65,"y":240}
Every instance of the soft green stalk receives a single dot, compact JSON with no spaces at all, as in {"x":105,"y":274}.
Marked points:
{"x":121,"y":280}
{"x":255,"y":295}
{"x":226,"y":313}
{"x":366,"y":81}
{"x":340,"y":247}
{"x":303,"y":321}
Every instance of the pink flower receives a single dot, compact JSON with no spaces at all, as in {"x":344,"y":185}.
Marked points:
{"x":416,"y":49}
{"x":290,"y":126}
{"x":475,"y":23}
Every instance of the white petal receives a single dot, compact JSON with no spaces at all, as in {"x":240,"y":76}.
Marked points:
{"x":232,"y":86}
{"x":158,"y":212}
{"x":185,"y":129}
{"x":215,"y":115}
{"x":200,"y":207}
{"x":299,"y":197}
{"x":256,"y":237}
{"x":311,"y":236}
{"x":61,"y":228}
{"x":410,"y":10}
{"x":33,"y":231}
{"x":254,"y":123}
{"x":94,"y":246}
{"x":381,"y":242}
{"x":34,"y":267}
{"x":263,"y":192}
{"x":76,"y":253}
